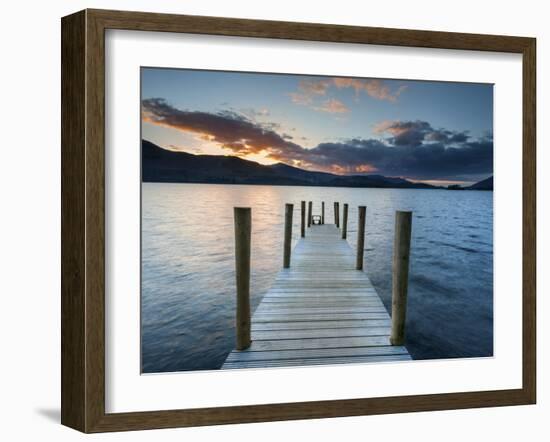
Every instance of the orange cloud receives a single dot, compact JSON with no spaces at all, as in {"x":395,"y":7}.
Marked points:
{"x":350,"y":169}
{"x":308,"y":89}
{"x":314,"y":87}
{"x":332,"y":106}
{"x":300,"y":98}
{"x":388,"y":126}
{"x":365,"y":168}
{"x":375,"y":88}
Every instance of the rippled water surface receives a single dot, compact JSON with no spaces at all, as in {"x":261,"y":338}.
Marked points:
{"x":188,"y":286}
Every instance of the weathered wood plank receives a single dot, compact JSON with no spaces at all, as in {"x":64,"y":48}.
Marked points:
{"x":263,"y":317}
{"x":317,"y":310}
{"x":310,"y":325}
{"x":326,"y":284}
{"x":313,"y":302}
{"x":316,"y":353}
{"x":323,"y":290}
{"x":269,"y":335}
{"x":317,"y":306}
{"x":315,"y":343}
{"x":358,"y":295}
{"x":312,"y":298}
{"x":320,"y":361}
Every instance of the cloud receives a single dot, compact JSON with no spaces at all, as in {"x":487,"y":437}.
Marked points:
{"x":300,"y":98}
{"x":229,"y":129}
{"x":375,"y":88}
{"x":332,"y":106}
{"x":424,"y":161}
{"x":314,"y":87}
{"x":412,"y":149}
{"x":255,"y":113}
{"x":307,"y":90}
{"x":407,"y":133}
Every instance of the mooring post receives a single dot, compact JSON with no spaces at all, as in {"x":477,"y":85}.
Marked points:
{"x":400,"y":279}
{"x":360,"y":237}
{"x":242,"y":270}
{"x":303,"y":214}
{"x":337,"y":214}
{"x":345,"y":222}
{"x":309,"y":216}
{"x":323,"y":212}
{"x":289,"y":208}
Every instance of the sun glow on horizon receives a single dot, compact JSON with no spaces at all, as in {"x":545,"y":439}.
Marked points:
{"x":443,"y":183}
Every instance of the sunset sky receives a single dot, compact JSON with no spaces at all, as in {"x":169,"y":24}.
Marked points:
{"x":428,"y":131}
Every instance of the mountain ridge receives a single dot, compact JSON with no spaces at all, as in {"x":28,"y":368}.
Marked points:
{"x":486,"y":184}
{"x":166,"y":166}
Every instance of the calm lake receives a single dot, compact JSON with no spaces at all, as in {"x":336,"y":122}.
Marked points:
{"x":188,"y":278}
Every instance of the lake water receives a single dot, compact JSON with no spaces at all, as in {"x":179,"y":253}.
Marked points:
{"x":188,"y":278}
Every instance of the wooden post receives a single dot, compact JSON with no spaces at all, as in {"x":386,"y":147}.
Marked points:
{"x":289,"y":208}
{"x":323,"y":212}
{"x":360,"y":237}
{"x":345,"y":222}
{"x":242,"y":270}
{"x":400,"y":279}
{"x":303,"y":232}
{"x":337,"y":214}
{"x":309,"y":218}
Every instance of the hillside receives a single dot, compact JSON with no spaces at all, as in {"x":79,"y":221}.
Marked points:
{"x":486,"y":184}
{"x":165,"y":166}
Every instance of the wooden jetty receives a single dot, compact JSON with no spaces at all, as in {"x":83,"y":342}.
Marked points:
{"x":320,"y":311}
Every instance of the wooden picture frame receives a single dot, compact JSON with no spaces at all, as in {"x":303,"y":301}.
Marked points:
{"x":83,"y":220}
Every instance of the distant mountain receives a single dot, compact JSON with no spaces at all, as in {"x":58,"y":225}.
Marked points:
{"x":486,"y":184}
{"x":315,"y":178}
{"x":166,"y":166}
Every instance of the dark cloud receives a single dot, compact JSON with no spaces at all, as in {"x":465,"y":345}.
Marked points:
{"x":425,"y":161}
{"x":447,"y":136}
{"x":411,"y":149}
{"x":414,"y":133}
{"x":230,"y":129}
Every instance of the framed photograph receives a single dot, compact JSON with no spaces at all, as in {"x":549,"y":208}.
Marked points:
{"x":268,"y":220}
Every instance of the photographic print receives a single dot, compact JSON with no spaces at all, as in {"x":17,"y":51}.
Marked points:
{"x":297,"y":220}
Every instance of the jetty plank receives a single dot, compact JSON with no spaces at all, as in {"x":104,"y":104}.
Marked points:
{"x":319,"y":343}
{"x":308,"y":325}
{"x":320,"y":311}
{"x":317,"y":361}
{"x":268,"y":335}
